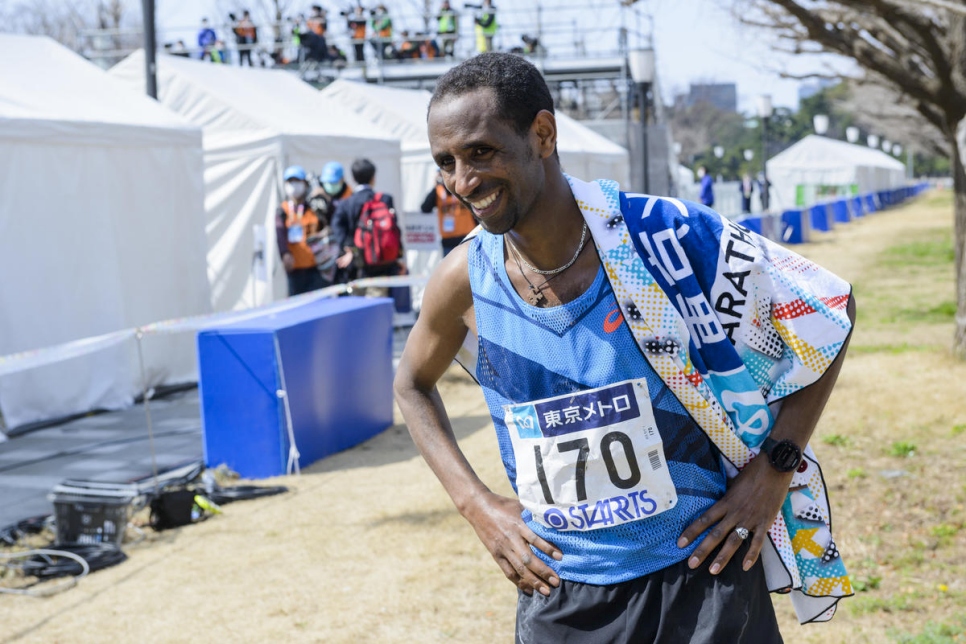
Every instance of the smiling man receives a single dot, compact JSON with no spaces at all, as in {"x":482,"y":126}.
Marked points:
{"x":636,"y":354}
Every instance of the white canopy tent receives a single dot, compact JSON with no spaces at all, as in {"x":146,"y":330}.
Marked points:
{"x":817,"y":167}
{"x":101,"y":229}
{"x":401,"y":113}
{"x":256,"y":122}
{"x":588,"y":155}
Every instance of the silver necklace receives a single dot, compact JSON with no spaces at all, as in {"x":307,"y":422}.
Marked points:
{"x":553,"y":271}
{"x":535,"y":296}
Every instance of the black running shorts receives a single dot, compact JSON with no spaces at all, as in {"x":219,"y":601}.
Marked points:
{"x":675,"y":605}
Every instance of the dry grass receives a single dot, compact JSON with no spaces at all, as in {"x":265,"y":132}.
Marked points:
{"x":367,"y":547}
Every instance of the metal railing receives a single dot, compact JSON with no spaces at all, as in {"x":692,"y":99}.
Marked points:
{"x":541,"y":29}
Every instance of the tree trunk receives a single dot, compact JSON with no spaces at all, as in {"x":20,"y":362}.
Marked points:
{"x":959,"y":243}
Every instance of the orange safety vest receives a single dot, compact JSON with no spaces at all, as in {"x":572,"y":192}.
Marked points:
{"x":316,"y":25}
{"x":358,"y":26}
{"x":246,"y":29}
{"x":455,"y":219}
{"x":305,"y":217}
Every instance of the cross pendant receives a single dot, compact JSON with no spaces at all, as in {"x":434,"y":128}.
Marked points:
{"x":535,"y":296}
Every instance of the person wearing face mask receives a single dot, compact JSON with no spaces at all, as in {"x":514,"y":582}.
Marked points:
{"x":333,"y":183}
{"x":295,"y":223}
{"x":328,"y":193}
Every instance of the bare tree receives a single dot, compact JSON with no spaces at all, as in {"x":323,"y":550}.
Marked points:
{"x":89,"y":27}
{"x":879,"y":108}
{"x":700,"y":126}
{"x":62,"y":22}
{"x":916,"y":47}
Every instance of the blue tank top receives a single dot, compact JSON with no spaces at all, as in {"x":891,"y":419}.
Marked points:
{"x":530,"y":354}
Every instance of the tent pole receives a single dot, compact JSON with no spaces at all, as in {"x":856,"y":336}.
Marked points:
{"x":150,"y":48}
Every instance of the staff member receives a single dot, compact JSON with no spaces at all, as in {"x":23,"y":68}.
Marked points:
{"x":295,"y":222}
{"x":455,"y":220}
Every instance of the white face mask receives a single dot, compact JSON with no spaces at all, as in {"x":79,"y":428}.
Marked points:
{"x":294,"y":189}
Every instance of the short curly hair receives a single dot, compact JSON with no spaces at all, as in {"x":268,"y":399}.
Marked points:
{"x":520,"y":89}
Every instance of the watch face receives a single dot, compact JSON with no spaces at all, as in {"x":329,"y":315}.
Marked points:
{"x":786,"y":456}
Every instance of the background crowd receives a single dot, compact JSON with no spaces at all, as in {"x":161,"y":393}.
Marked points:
{"x":312,"y":36}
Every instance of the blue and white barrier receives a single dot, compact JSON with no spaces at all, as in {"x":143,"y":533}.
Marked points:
{"x":796,"y":223}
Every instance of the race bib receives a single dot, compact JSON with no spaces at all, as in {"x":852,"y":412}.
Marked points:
{"x":449,"y":223}
{"x":592,"y":459}
{"x":296,"y":234}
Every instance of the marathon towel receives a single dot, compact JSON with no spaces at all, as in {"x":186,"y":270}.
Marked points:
{"x":733,"y":323}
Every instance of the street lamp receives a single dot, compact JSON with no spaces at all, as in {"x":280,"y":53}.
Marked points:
{"x":641,"y":64}
{"x":873,"y":141}
{"x":897,"y":149}
{"x":852,"y":134}
{"x":887,"y":145}
{"x":749,"y":155}
{"x":764,"y":113}
{"x":820,"y":121}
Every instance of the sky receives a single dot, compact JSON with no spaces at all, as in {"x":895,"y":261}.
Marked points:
{"x":696,"y":41}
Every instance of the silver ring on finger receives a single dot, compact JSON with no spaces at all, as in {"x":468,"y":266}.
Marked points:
{"x":742,"y":533}
{"x":526,"y":559}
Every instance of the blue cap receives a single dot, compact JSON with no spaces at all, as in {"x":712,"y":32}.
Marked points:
{"x":332,"y":172}
{"x":294,"y":172}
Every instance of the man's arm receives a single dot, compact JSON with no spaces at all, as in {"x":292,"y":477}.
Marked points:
{"x":433,"y":343}
{"x":429,"y":202}
{"x":757,"y":493}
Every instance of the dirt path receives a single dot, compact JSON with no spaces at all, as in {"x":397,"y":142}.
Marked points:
{"x":367,"y":547}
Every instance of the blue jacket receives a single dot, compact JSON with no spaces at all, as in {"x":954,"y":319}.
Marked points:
{"x":206,"y":38}
{"x":707,"y":192}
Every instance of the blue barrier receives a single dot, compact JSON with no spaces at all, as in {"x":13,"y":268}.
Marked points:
{"x":751,"y":223}
{"x":818,"y":216}
{"x":331,"y":357}
{"x":793,"y":229}
{"x":869,"y":201}
{"x":840,"y":211}
{"x":796,"y":223}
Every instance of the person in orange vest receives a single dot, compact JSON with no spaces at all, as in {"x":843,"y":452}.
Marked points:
{"x":295,"y":223}
{"x":317,"y":22}
{"x":246,"y":37}
{"x":408,"y":48}
{"x":455,"y":219}
{"x":382,"y":28}
{"x":357,"y":29}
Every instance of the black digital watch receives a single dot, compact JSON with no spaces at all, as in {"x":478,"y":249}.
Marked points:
{"x":784,"y":455}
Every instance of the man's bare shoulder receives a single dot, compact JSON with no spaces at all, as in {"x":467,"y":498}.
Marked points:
{"x":448,"y":291}
{"x":444,"y":320}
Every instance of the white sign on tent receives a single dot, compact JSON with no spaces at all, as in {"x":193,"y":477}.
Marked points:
{"x":424,"y":248}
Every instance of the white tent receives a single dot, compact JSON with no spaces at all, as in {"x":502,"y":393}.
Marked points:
{"x":256,"y":122}
{"x":817,"y":167}
{"x":401,"y":113}
{"x":101,"y":229}
{"x":588,"y":155}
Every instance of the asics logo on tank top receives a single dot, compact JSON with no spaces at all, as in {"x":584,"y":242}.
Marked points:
{"x":613,"y":321}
